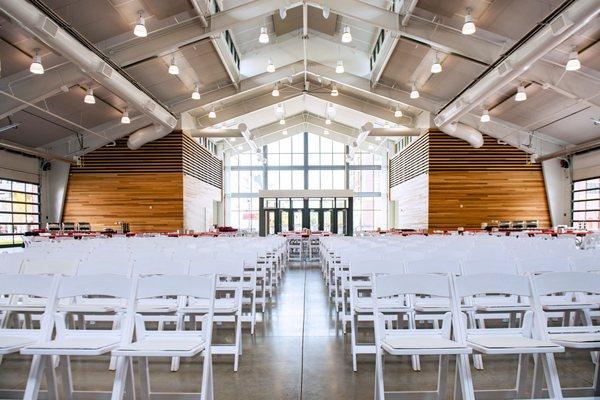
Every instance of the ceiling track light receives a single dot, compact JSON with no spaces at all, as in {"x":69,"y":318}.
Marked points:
{"x":485,"y":116}
{"x":325,"y":132}
{"x":327,"y":121}
{"x":284,"y":132}
{"x":264,"y":36}
{"x":275,"y":92}
{"x":125,"y":117}
{"x":140,"y":27}
{"x":398,"y":112}
{"x":196,"y":92}
{"x":521,"y":95}
{"x":36,"y":66}
{"x":326,"y":11}
{"x":334,"y":91}
{"x":270,"y":66}
{"x":173,"y":68}
{"x":212,"y":114}
{"x":89,"y":96}
{"x":436,"y":67}
{"x":346,"y":35}
{"x":282,"y":121}
{"x":339,"y":68}
{"x":414,"y":93}
{"x":573,"y":64}
{"x":468,"y":27}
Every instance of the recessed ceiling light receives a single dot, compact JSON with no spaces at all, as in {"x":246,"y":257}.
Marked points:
{"x":212,"y":114}
{"x":398,"y":112}
{"x":521,"y":94}
{"x":327,"y":121}
{"x":140,"y":27}
{"x":282,"y":121}
{"x":36,"y":66}
{"x":284,"y":132}
{"x":125,"y":118}
{"x":346,"y":35}
{"x":573,"y":64}
{"x":275,"y":92}
{"x":414,"y":93}
{"x":330,"y":109}
{"x":334,"y":91}
{"x":339,"y":68}
{"x":196,"y":92}
{"x":270,"y":66}
{"x":89,"y":97}
{"x":264,"y":36}
{"x":485,"y":116}
{"x":469,"y":26}
{"x":173,"y":68}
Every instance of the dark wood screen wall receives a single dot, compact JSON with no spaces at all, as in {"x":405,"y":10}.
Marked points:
{"x":144,"y":187}
{"x":469,"y":186}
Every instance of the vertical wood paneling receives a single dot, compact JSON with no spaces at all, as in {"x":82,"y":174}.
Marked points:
{"x":149,"y":201}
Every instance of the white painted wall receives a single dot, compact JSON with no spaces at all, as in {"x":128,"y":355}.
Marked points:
{"x":586,"y":165}
{"x":558,"y":191}
{"x":54,"y":190}
{"x":18,"y":167}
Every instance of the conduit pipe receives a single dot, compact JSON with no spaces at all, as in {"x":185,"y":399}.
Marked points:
{"x":146,"y":135}
{"x":587,"y":146}
{"x":214,"y":132}
{"x":40,"y":25}
{"x":394,"y":132}
{"x":464,"y":132}
{"x":576,"y":16}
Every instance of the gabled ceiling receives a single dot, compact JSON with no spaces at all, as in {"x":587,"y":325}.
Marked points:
{"x":558,"y":111}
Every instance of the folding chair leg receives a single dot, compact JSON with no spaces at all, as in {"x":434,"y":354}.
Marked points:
{"x":522,"y":375}
{"x":379,"y":386}
{"x":414,"y":359}
{"x":464,"y":384}
{"x":546,"y":363}
{"x":66,"y":376}
{"x":113,"y":361}
{"x":207,"y":378}
{"x":144,"y":374}
{"x":130,"y":382}
{"x":597,"y":380}
{"x":443,"y":377}
{"x":121,"y":375}
{"x":180,"y":325}
{"x":353,"y":328}
{"x":238,"y":343}
{"x":32,"y":389}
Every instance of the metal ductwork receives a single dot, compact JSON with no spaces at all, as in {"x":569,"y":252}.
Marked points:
{"x":550,"y":34}
{"x":48,"y":31}
{"x":395,"y":132}
{"x":147,"y":134}
{"x":248,"y":137}
{"x":214,"y":132}
{"x":464,"y":132}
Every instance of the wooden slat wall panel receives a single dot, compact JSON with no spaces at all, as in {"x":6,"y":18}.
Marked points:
{"x":162,"y":155}
{"x":410,"y":162}
{"x":201,"y":164}
{"x":486,"y":196}
{"x":149,"y":201}
{"x":447,"y":153}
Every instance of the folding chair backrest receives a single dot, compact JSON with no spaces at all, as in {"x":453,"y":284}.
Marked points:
{"x":201,"y":287}
{"x":437,"y":265}
{"x":400,"y":284}
{"x":10,"y":263}
{"x":67,"y":267}
{"x":475,"y":284}
{"x":543,"y":264}
{"x":586,"y":262}
{"x":26,"y":285}
{"x":93,"y":266}
{"x":111,"y":285}
{"x":160,"y":266}
{"x":488,"y":265}
{"x":377,"y":266}
{"x":561,"y":282}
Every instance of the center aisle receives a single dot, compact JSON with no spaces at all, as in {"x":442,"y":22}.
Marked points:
{"x":299,"y":354}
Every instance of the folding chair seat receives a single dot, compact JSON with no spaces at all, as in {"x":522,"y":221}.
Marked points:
{"x":178,"y":343}
{"x":70,"y":341}
{"x":528,"y":339}
{"x":582,"y":337}
{"x":422,"y":341}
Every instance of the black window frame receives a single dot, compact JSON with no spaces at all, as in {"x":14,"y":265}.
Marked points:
{"x":12,"y":213}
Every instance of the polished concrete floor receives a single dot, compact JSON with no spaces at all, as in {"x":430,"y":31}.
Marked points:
{"x":298,"y":352}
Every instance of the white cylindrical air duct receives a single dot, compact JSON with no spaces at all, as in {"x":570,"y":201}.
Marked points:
{"x":464,"y":132}
{"x":394,"y":132}
{"x":147,"y":134}
{"x":214,"y":132}
{"x":40,"y":25}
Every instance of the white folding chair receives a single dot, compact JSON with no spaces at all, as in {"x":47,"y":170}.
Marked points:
{"x":177,"y":343}
{"x":14,"y":338}
{"x":528,"y":339}
{"x":422,"y":341}
{"x":87,"y":342}
{"x":582,"y":337}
